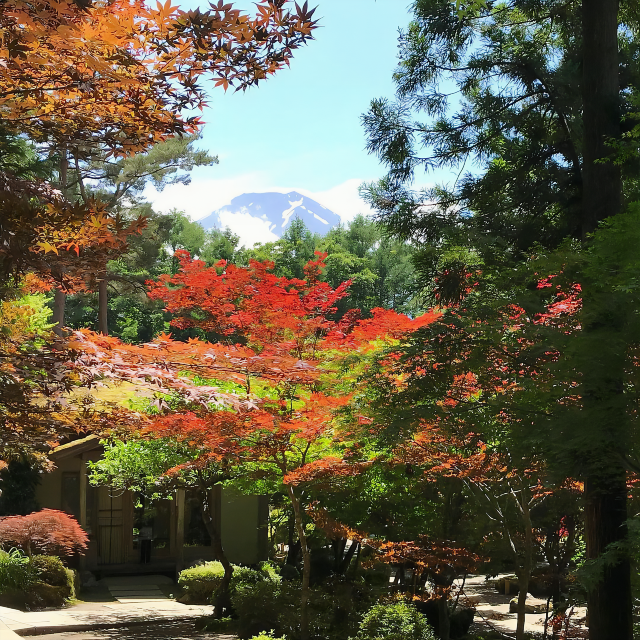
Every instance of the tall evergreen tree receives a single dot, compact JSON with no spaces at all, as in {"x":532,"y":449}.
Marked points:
{"x":526,"y":99}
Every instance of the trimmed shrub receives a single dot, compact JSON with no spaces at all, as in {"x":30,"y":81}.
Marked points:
{"x":254,"y":600}
{"x":50,"y":570}
{"x":398,"y":621}
{"x":43,"y":595}
{"x":199,"y":583}
{"x":54,"y":582}
{"x":270,"y":569}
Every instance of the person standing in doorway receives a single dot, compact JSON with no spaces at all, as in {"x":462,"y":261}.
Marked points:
{"x":146,"y":536}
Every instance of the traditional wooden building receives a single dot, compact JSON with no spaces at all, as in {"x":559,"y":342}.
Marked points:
{"x":120,"y":523}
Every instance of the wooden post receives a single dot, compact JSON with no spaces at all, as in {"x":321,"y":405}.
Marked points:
{"x":180,"y":500}
{"x":83,"y":505}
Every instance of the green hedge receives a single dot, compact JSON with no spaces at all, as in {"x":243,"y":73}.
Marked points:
{"x":199,"y":583}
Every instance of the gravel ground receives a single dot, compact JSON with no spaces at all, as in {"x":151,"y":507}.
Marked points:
{"x":174,"y":631}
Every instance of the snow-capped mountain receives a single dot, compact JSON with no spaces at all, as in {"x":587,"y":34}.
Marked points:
{"x":275,"y":211}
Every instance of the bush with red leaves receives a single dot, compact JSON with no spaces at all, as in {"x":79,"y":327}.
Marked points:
{"x":49,"y":532}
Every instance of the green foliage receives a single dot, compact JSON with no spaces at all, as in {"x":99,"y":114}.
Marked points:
{"x":335,"y":608}
{"x":142,"y":465}
{"x":40,"y":314}
{"x":381,"y":268}
{"x":398,"y":621}
{"x":221,"y":245}
{"x":131,"y":315}
{"x":50,"y":570}
{"x":139,"y":465}
{"x":245,"y":576}
{"x":16,"y":572}
{"x":199,"y":583}
{"x":498,"y":91}
{"x":270,"y":570}
{"x":290,"y":253}
{"x":19,"y":156}
{"x":19,"y":482}
{"x":120,"y":182}
{"x":259,"y":606}
{"x":36,"y":582}
{"x":267,"y":636}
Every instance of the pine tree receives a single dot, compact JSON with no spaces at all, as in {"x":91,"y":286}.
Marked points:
{"x":528,"y":98}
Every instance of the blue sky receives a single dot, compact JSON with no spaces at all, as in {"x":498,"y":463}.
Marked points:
{"x":301,"y":128}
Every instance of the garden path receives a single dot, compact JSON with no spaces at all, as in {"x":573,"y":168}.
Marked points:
{"x":141,"y":607}
{"x":166,"y":630}
{"x":117,"y":602}
{"x":492,"y":609}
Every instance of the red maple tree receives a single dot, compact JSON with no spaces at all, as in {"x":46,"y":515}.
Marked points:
{"x":276,"y":340}
{"x":49,"y":532}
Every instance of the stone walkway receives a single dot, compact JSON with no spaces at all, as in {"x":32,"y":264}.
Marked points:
{"x":137,"y":589}
{"x":164,"y":631}
{"x":492,"y":609}
{"x":129,"y":601}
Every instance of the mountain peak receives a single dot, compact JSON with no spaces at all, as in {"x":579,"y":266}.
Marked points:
{"x":275,"y":211}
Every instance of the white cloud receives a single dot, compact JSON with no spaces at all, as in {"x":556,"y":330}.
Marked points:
{"x":249,"y":228}
{"x":204,"y":196}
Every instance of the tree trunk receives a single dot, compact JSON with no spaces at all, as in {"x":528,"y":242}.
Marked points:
{"x":602,"y":183}
{"x":609,"y":602}
{"x":306,"y":564}
{"x":346,"y":560}
{"x":292,"y":548}
{"x":222,"y":596}
{"x":523,"y":584}
{"x":524,"y":572}
{"x":59,"y":300}
{"x":356,"y":564}
{"x":102,"y":304}
{"x":444,"y":624}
